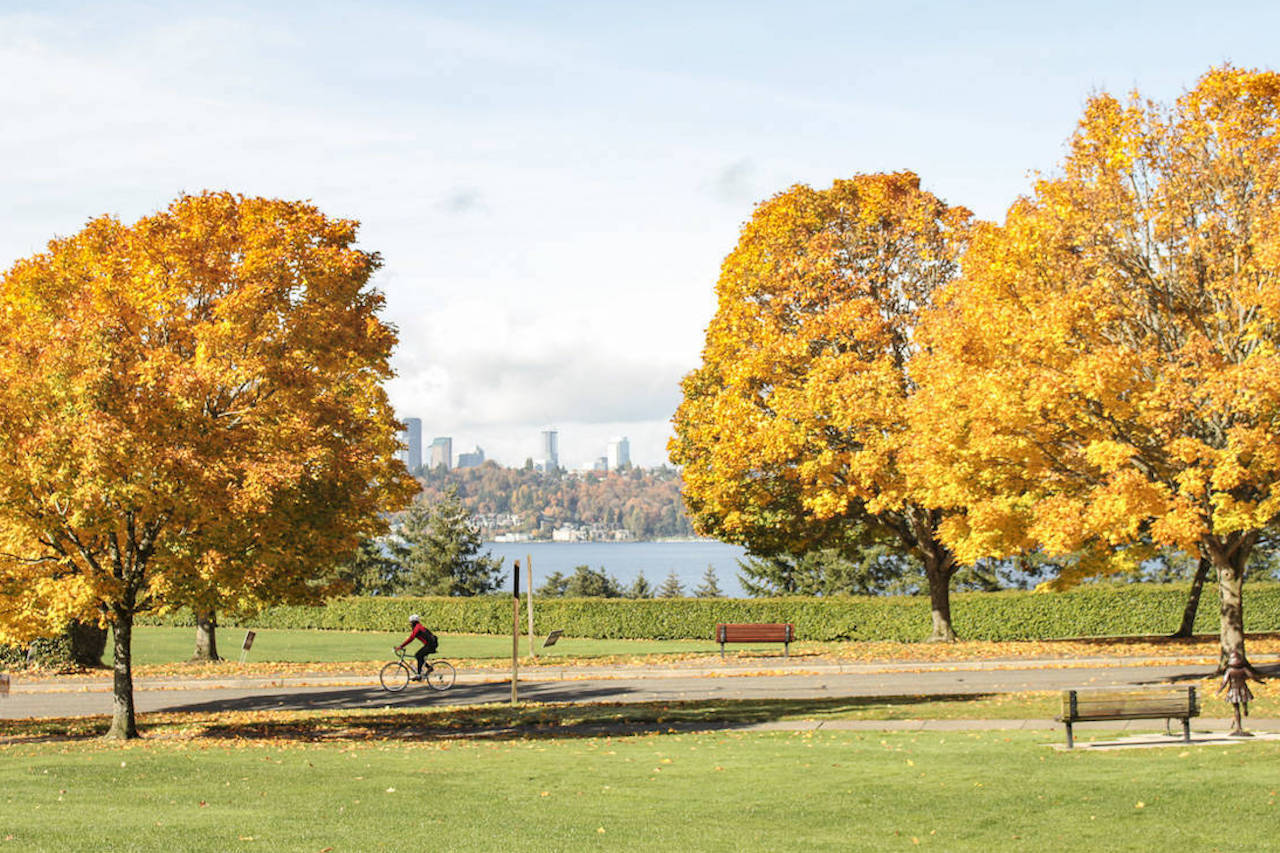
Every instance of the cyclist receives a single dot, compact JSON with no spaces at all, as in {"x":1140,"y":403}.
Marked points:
{"x":418,"y":631}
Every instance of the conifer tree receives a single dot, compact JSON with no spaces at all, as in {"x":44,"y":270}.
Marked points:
{"x":709,"y":588}
{"x":640,"y":587}
{"x":671,"y":587}
{"x":442,"y":551}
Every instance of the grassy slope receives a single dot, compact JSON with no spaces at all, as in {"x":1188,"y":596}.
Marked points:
{"x":831,"y":791}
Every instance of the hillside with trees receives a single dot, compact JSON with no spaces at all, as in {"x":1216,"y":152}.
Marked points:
{"x":634,"y":503}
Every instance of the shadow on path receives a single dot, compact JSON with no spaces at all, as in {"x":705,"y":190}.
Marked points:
{"x":412,"y":719}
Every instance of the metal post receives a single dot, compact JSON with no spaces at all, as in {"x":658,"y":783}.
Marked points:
{"x":528,"y":567}
{"x":515,"y":632}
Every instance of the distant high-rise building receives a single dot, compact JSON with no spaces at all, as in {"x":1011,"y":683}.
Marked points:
{"x":442,"y":453}
{"x":411,"y":438}
{"x":550,"y":450}
{"x":619,"y":455}
{"x":471,"y":460}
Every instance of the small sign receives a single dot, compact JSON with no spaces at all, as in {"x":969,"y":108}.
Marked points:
{"x":4,"y":684}
{"x":248,"y":644}
{"x":551,"y":638}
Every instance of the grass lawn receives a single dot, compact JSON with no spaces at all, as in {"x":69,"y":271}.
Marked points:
{"x":160,"y":645}
{"x":722,"y":790}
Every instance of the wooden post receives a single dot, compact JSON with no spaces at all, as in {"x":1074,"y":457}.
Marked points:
{"x":515,"y":632}
{"x":528,"y":567}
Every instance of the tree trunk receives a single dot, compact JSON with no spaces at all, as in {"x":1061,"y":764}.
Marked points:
{"x":123,"y":720}
{"x":1230,"y":560}
{"x":938,"y":571}
{"x":206,"y":636}
{"x":87,"y":642}
{"x":1193,"y":598}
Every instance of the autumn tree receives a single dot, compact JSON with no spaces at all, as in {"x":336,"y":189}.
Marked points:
{"x":191,"y":412}
{"x":1108,"y":371}
{"x":791,"y":430}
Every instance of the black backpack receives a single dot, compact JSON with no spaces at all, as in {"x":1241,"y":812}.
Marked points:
{"x":433,"y":642}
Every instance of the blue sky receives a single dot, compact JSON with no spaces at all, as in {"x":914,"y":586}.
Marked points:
{"x":554,"y":185}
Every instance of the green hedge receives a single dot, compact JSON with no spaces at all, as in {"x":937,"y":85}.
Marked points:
{"x":1094,"y":610}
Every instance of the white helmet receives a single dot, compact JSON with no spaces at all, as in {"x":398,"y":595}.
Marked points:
{"x":414,"y":618}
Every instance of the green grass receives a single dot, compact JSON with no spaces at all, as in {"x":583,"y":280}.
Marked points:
{"x":161,"y":645}
{"x":535,"y":719}
{"x":725,"y":790}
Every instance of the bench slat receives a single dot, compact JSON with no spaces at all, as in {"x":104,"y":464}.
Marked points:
{"x":755,"y":632}
{"x":1132,"y":704}
{"x":1152,"y":703}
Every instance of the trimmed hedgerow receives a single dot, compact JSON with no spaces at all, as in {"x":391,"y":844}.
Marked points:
{"x":1094,"y":610}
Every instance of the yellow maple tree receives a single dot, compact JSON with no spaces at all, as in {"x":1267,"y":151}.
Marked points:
{"x":191,"y":412}
{"x":789,"y":432}
{"x":1106,"y":373}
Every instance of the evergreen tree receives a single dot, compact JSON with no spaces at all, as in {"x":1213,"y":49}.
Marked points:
{"x":873,"y":570}
{"x":671,"y":587}
{"x":709,"y":588}
{"x":442,"y":551}
{"x":640,"y":588}
{"x":378,"y":568}
{"x":555,"y":586}
{"x":586,"y":582}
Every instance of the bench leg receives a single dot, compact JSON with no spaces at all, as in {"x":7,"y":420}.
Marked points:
{"x":786,"y":650}
{"x":722,"y":651}
{"x":1186,"y":729}
{"x":1071,"y":744}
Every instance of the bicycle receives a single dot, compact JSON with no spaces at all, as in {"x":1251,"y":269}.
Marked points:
{"x":397,"y":674}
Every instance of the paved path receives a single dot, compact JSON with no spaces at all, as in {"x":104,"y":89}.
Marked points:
{"x":768,"y":679}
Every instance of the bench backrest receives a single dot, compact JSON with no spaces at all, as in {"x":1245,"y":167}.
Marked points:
{"x":757,"y":632}
{"x":1138,"y":703}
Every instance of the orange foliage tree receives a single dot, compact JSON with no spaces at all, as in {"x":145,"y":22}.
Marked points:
{"x":790,"y":431}
{"x":1107,"y":372}
{"x":191,"y":412}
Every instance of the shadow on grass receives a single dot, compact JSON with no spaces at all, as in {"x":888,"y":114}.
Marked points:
{"x":492,"y":721}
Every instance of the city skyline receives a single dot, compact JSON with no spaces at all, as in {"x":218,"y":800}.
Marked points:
{"x":553,"y":187}
{"x":615,"y":452}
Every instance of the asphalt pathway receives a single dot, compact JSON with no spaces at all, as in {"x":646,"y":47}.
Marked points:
{"x":791,"y":680}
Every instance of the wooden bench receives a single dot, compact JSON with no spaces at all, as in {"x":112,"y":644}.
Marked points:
{"x":1140,"y":703}
{"x":756,"y":632}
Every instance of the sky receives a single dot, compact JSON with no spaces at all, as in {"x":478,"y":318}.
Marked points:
{"x":553,"y":186}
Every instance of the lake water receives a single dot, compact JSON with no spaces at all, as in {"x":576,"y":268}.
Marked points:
{"x":626,"y":560}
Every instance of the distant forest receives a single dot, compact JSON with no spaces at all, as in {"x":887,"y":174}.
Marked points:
{"x":633,"y":503}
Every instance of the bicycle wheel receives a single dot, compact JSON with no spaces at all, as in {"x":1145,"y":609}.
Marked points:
{"x":441,"y":675}
{"x":394,"y":677}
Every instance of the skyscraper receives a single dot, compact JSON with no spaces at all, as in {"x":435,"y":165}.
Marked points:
{"x":442,"y":452}
{"x":471,"y":460}
{"x":550,"y":449}
{"x":619,"y":454}
{"x":411,"y":438}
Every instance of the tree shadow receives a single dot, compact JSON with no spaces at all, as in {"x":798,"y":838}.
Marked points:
{"x":1265,"y":670}
{"x":412,"y":720}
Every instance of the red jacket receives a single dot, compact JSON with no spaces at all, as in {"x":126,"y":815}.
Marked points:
{"x":419,"y":632}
